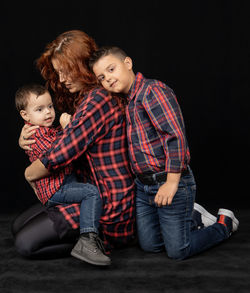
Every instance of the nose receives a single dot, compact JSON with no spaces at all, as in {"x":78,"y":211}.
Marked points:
{"x":61,"y":76}
{"x":48,"y":110}
{"x":108,"y":78}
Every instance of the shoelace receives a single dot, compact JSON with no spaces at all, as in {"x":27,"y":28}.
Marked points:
{"x":99,"y":244}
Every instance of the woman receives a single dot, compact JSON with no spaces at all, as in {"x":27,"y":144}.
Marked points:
{"x":96,"y":135}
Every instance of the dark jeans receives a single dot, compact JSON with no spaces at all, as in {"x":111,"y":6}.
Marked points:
{"x":87,"y":195}
{"x":171,"y":225}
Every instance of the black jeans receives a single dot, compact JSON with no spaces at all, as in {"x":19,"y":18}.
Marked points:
{"x":35,"y":235}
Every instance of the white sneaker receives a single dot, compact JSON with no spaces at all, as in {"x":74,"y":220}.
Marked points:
{"x":206,"y":218}
{"x":226,"y":221}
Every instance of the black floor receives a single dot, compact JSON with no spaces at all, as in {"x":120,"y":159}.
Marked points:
{"x":225,"y":268}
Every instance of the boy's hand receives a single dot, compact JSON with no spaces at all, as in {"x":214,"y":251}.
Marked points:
{"x":168,"y":190}
{"x":65,"y":118}
{"x":24,"y":141}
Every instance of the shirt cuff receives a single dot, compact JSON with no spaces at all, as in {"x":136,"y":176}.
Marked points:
{"x":175,"y":166}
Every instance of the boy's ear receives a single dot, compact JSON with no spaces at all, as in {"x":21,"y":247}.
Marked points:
{"x":24,"y":115}
{"x":128,"y":62}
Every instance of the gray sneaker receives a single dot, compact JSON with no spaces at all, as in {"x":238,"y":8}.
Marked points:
{"x":90,"y":249}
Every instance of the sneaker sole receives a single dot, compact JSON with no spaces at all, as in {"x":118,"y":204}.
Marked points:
{"x":79,"y":256}
{"x":231,"y":215}
{"x":207,"y":218}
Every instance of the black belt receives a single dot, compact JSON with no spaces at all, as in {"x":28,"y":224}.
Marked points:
{"x":154,"y":178}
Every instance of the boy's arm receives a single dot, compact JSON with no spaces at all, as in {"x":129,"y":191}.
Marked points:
{"x":168,"y":190}
{"x":37,"y":170}
{"x":165,"y":114}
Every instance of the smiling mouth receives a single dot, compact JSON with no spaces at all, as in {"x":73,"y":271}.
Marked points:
{"x":113,"y":83}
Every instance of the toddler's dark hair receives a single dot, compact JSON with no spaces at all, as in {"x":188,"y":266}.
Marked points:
{"x":23,"y":93}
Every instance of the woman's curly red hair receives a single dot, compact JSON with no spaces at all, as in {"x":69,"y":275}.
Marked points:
{"x":73,"y":50}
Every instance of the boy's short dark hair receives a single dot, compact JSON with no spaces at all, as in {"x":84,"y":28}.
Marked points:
{"x":105,"y":51}
{"x":23,"y":93}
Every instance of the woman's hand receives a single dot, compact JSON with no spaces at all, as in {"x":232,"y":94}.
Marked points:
{"x":24,"y":141}
{"x":65,"y":118}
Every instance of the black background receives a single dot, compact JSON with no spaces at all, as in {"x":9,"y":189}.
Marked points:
{"x":198,"y":48}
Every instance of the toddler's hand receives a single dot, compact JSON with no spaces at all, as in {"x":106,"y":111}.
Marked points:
{"x":65,"y":118}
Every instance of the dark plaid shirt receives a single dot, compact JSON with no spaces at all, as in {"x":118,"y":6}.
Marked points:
{"x":47,"y":186}
{"x":156,"y":131}
{"x":98,"y":130}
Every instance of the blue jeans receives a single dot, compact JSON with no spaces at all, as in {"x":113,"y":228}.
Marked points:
{"x":171,"y":225}
{"x":87,"y":195}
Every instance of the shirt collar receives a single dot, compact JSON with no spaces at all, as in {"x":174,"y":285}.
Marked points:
{"x":139,"y":78}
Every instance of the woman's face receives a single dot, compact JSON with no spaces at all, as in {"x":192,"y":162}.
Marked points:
{"x":73,"y":85}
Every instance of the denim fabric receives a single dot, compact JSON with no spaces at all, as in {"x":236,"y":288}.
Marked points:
{"x":87,"y":194}
{"x":171,"y":225}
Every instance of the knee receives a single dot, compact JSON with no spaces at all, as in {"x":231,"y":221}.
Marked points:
{"x":177,"y":253}
{"x":23,"y":246}
{"x":151,"y":247}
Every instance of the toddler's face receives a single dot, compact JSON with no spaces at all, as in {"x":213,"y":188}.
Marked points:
{"x":40,"y":110}
{"x":114,"y":74}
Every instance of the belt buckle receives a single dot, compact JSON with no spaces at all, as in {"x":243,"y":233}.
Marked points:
{"x":161,"y":176}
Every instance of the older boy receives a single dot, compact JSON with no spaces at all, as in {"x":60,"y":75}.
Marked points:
{"x":160,"y":159}
{"x":35,"y":105}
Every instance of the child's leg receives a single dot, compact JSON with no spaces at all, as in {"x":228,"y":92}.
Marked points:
{"x":147,"y":219}
{"x":86,"y":194}
{"x":176,"y":219}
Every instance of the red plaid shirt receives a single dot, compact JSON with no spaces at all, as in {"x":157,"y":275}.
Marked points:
{"x":98,"y":130}
{"x":156,"y":130}
{"x":46,"y":187}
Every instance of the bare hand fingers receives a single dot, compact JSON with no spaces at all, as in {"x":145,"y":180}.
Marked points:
{"x":28,"y":131}
{"x":158,"y":200}
{"x":27,"y":148}
{"x":28,"y":142}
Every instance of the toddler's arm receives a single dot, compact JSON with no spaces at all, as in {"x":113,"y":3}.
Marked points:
{"x":65,"y":118}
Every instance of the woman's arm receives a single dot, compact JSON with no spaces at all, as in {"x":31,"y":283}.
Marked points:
{"x":35,"y":171}
{"x":93,"y":119}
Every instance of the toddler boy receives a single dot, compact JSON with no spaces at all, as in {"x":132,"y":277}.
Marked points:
{"x":35,"y":106}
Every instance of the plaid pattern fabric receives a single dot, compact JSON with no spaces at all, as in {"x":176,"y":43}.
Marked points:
{"x":156,"y":131}
{"x":98,"y":131}
{"x":46,"y":187}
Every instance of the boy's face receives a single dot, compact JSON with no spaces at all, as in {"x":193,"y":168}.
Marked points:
{"x":40,"y":110}
{"x":114,"y":74}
